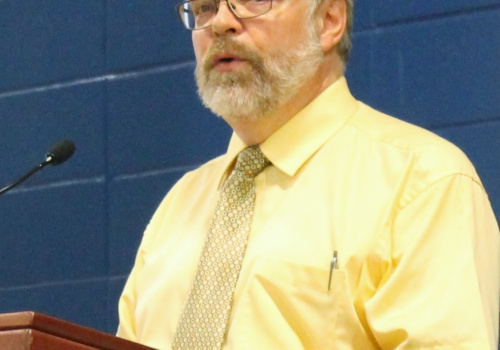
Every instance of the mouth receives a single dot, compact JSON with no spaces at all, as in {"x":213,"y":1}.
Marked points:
{"x":227,"y":62}
{"x":226,"y":59}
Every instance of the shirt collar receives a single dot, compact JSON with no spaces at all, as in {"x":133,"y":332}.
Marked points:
{"x":296,"y":141}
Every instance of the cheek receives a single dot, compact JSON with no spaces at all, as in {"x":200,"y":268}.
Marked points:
{"x":279,"y":41}
{"x":291,"y":29}
{"x":199,"y":45}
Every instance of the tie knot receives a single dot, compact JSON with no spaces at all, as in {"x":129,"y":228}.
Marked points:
{"x":251,"y":161}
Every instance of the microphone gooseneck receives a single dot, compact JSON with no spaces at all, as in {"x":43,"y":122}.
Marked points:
{"x":58,"y":154}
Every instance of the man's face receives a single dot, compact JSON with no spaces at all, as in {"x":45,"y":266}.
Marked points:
{"x":247,"y":68}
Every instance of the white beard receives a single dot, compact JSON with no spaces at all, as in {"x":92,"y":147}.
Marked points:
{"x":269,"y":81}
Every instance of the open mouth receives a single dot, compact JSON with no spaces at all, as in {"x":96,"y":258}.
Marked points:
{"x":227,"y":62}
{"x":225,"y":58}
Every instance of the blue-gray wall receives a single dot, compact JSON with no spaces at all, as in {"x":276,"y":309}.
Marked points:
{"x":116,"y":77}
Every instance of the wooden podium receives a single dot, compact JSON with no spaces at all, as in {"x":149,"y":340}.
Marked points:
{"x":33,"y":331}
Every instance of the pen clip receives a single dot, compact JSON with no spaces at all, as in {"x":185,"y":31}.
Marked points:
{"x":333,"y":266}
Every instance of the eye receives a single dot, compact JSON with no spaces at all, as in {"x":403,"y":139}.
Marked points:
{"x":206,"y":8}
{"x":203,"y":7}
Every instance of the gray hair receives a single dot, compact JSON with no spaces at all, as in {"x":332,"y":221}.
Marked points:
{"x":345,"y":45}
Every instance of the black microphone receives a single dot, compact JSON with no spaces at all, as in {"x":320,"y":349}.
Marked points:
{"x":58,"y":154}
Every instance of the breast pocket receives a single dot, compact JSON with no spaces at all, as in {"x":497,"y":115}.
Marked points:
{"x":288,"y":305}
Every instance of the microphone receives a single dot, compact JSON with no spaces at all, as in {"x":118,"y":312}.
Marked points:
{"x":58,"y":154}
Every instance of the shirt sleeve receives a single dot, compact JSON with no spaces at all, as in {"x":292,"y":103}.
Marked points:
{"x":442,"y":291}
{"x":127,"y":302}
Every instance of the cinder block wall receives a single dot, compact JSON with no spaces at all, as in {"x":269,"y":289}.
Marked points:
{"x":116,"y":76}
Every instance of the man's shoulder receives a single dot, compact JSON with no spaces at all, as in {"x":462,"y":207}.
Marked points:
{"x":206,"y":173}
{"x":197,"y":184}
{"x":429,"y":151}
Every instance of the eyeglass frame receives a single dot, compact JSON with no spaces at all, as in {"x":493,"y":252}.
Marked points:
{"x":180,"y":9}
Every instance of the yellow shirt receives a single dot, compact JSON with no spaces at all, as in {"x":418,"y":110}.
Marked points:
{"x":416,"y":240}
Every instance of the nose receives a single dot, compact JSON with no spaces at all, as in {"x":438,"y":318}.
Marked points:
{"x":225,"y":21}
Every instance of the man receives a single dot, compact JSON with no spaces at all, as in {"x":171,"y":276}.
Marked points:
{"x":357,"y":230}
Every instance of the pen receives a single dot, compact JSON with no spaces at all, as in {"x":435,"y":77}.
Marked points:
{"x":333,"y":266}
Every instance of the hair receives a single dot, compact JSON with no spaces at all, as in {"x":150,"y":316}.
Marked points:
{"x":345,"y":45}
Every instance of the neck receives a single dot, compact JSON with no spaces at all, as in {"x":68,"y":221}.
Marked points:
{"x":256,"y":131}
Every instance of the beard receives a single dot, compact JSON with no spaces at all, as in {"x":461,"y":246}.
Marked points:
{"x":266,"y":82}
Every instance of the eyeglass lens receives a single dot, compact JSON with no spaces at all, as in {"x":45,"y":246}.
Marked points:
{"x":198,"y":14}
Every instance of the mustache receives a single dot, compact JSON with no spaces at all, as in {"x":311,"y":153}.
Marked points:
{"x":221,"y":45}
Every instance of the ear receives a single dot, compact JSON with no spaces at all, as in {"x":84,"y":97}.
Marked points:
{"x":332,"y":19}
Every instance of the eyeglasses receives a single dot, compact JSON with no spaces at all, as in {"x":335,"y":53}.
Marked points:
{"x":199,"y":14}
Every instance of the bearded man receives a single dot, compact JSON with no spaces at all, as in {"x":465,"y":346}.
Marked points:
{"x":327,"y":224}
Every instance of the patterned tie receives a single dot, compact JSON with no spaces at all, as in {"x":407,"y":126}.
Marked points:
{"x":204,"y":319}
